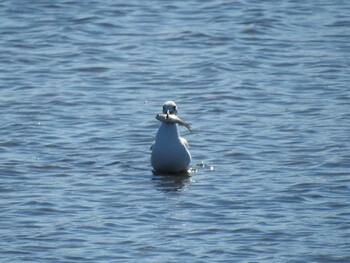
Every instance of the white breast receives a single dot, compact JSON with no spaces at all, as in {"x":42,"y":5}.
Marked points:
{"x":170,"y":152}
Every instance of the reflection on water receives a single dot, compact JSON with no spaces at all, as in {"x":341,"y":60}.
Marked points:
{"x":172,"y":182}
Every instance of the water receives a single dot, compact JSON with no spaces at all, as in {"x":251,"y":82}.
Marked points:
{"x":265,"y":85}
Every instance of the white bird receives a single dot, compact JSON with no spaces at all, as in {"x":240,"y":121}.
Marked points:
{"x":170,"y":152}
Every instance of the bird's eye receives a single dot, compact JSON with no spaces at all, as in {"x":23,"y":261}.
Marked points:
{"x":174,"y":107}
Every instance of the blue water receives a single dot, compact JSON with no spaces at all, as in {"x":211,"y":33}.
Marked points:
{"x":264,"y":84}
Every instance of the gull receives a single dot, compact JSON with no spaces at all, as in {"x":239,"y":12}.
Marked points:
{"x":170,"y":152}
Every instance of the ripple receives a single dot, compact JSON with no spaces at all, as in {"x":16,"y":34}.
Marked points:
{"x":265,"y":87}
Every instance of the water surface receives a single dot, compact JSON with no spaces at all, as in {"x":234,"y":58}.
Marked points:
{"x":265,"y":86}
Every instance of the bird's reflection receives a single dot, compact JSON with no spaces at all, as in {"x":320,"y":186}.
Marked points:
{"x":172,"y":182}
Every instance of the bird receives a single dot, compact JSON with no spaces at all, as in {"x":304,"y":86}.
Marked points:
{"x":170,"y":152}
